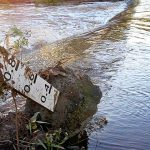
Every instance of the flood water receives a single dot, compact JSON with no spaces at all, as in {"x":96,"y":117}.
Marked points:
{"x":53,"y":23}
{"x":116,"y":57}
{"x":122,"y":61}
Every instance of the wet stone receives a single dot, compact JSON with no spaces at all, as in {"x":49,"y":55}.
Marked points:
{"x":77,"y":101}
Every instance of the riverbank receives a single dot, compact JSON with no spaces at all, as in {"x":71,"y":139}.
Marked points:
{"x":49,"y":1}
{"x":76,"y":104}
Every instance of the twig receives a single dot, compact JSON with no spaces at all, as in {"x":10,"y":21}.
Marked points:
{"x":16,"y":121}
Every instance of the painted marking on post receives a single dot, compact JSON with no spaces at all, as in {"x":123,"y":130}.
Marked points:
{"x":21,"y":78}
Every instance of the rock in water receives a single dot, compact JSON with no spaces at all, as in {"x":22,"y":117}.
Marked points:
{"x":77,"y":101}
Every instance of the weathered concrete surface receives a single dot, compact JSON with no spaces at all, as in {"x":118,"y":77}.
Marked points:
{"x":77,"y":101}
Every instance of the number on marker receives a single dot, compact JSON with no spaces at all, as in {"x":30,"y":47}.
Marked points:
{"x":7,"y":76}
{"x":43,"y":99}
{"x":12,"y":62}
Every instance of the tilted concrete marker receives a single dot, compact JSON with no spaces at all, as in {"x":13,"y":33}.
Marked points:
{"x":29,"y":84}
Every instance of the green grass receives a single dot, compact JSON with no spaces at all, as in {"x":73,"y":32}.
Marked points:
{"x":47,"y":1}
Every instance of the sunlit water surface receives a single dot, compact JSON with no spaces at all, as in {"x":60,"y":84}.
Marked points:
{"x":126,"y":99}
{"x":53,"y":23}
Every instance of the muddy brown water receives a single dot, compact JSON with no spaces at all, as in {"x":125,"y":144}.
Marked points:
{"x":116,"y":58}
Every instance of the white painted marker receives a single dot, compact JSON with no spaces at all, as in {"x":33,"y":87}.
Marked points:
{"x":21,"y":78}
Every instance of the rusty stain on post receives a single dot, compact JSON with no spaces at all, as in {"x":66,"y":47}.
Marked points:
{"x":29,"y":84}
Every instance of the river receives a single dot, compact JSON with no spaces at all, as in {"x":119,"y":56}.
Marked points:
{"x":115,"y":54}
{"x":53,"y":23}
{"x":126,"y":100}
